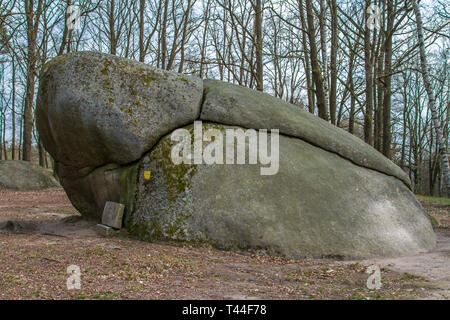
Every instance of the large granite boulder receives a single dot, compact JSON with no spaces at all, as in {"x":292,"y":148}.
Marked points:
{"x":94,"y":110}
{"x":318,"y":204}
{"x":24,"y":175}
{"x":332,"y":194}
{"x":235,"y":105}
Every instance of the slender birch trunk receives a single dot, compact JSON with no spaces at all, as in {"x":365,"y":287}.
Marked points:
{"x":431,"y":100}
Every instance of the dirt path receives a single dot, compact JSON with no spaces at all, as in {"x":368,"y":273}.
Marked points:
{"x":45,"y":235}
{"x":434,"y":267}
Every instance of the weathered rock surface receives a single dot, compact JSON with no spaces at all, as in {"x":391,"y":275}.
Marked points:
{"x":317,"y":205}
{"x":106,"y":119}
{"x":95,"y":109}
{"x":236,"y":105}
{"x":24,"y":175}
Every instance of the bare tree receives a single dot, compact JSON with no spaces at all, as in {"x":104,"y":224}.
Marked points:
{"x":316,"y":72}
{"x":333,"y":58}
{"x":33,"y":14}
{"x":431,"y":99}
{"x":259,"y":44}
{"x":323,"y":44}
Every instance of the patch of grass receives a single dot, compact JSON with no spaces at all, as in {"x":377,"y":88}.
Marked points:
{"x":444,"y":201}
{"x":409,"y":276}
{"x":346,"y":282}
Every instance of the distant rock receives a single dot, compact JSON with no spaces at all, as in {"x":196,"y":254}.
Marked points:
{"x":24,"y":175}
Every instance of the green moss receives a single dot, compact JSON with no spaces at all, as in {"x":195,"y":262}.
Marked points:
{"x":138,"y":229}
{"x":170,"y":222}
{"x":43,"y":85}
{"x":106,"y":64}
{"x":54,"y":62}
{"x":128,"y":186}
{"x":183,"y":79}
{"x":144,"y":230}
{"x":45,"y":74}
{"x":155,"y":231}
{"x":178,"y":177}
{"x":129,"y":111}
{"x":132,"y":91}
{"x":107,"y":85}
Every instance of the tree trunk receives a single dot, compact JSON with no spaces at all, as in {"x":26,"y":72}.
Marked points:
{"x":41,"y":153}
{"x":185,"y":35}
{"x":2,"y":145}
{"x":164,"y":35}
{"x":307,"y":63}
{"x":259,"y":45}
{"x":323,"y":44}
{"x":13,"y":111}
{"x":378,"y":136}
{"x":141,"y":31}
{"x":387,"y":81}
{"x":402,"y":158}
{"x":369,"y":79}
{"x":333,"y":57}
{"x":203,"y":47}
{"x":32,"y":28}
{"x":112,"y":32}
{"x":64,"y":40}
{"x":316,"y":73}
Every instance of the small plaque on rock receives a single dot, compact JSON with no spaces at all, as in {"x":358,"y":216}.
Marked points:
{"x":113,"y":214}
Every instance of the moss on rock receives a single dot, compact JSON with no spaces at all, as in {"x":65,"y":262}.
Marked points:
{"x":128,"y":185}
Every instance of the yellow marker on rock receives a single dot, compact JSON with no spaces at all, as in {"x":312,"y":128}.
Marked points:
{"x":147,"y":175}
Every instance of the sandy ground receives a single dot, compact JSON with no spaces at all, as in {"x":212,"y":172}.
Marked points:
{"x":434,"y":266}
{"x":41,"y":234}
